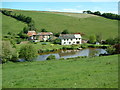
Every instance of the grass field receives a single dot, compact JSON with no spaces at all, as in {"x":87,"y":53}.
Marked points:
{"x":57,"y":22}
{"x":97,"y":72}
{"x":48,"y":46}
{"x":11,"y":25}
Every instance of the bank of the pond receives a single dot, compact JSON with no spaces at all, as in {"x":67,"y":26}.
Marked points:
{"x":49,"y":47}
{"x":88,"y":52}
{"x":96,"y":72}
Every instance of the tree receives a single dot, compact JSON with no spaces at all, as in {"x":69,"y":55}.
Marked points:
{"x":110,"y":41}
{"x":117,"y":47}
{"x":25,"y":30}
{"x":92,"y":39}
{"x":65,"y":31}
{"x":89,"y":12}
{"x":28,"y":52}
{"x":57,"y":34}
{"x":98,"y":37}
{"x":57,"y":41}
{"x":84,"y":11}
{"x":51,"y":57}
{"x":22,"y":35}
{"x":111,"y":50}
{"x":44,"y":30}
{"x":7,"y":51}
{"x":97,"y":13}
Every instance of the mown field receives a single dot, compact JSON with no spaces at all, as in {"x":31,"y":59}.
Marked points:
{"x":57,"y":22}
{"x":97,"y":72}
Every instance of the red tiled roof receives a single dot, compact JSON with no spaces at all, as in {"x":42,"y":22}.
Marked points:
{"x":30,"y":33}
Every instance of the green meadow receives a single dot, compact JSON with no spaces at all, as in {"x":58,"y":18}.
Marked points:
{"x":57,"y":22}
{"x":11,"y":25}
{"x":96,"y":72}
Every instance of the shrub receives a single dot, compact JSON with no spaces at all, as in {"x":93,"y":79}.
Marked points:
{"x":92,"y":46}
{"x":64,"y":47}
{"x":28,"y":52}
{"x":92,"y":39}
{"x":44,"y":43}
{"x":111,"y":50}
{"x":57,"y":41}
{"x":117,"y":46}
{"x":84,"y":45}
{"x":61,"y":59}
{"x":14,"y":57}
{"x":57,"y":34}
{"x":65,"y":31}
{"x":51,"y":57}
{"x":7,"y":51}
{"x":18,"y":41}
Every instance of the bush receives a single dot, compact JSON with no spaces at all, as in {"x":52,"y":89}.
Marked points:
{"x":84,"y":45}
{"x":44,"y":43}
{"x":92,"y":39}
{"x":92,"y":46}
{"x":14,"y":58}
{"x":28,"y":52}
{"x":57,"y":41}
{"x":117,"y":46}
{"x":7,"y":51}
{"x":61,"y":59}
{"x":64,"y":48}
{"x":51,"y":57}
{"x":111,"y":50}
{"x":65,"y":31}
{"x":18,"y":41}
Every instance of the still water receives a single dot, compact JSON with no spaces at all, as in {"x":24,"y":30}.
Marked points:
{"x":72,"y":53}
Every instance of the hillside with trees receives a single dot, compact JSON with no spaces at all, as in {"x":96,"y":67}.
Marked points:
{"x":56,"y":23}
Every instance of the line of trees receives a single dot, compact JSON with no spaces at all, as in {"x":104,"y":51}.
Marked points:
{"x":19,"y":17}
{"x":106,"y":15}
{"x":28,"y":20}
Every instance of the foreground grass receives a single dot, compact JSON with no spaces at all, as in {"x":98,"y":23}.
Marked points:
{"x":98,"y":72}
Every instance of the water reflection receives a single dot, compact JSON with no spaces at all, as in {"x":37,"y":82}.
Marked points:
{"x":73,"y":53}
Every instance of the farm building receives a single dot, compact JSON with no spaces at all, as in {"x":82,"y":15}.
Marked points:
{"x":70,"y":39}
{"x":31,"y":35}
{"x":42,"y":36}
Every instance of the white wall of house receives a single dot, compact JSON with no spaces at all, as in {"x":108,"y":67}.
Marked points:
{"x":46,"y":37}
{"x":77,"y":40}
{"x":71,"y":41}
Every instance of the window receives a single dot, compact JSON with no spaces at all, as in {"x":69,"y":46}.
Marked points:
{"x":69,"y":42}
{"x":71,"y":39}
{"x":64,"y":42}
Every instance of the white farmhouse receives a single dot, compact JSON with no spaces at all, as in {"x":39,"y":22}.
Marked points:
{"x":70,"y":39}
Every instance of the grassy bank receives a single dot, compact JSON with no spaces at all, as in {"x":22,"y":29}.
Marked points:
{"x":97,"y":72}
{"x":50,"y":46}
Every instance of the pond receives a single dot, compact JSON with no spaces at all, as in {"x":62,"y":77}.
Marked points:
{"x":72,"y":53}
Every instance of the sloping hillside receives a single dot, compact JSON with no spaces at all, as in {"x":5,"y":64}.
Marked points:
{"x":84,"y":23}
{"x":11,"y":25}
